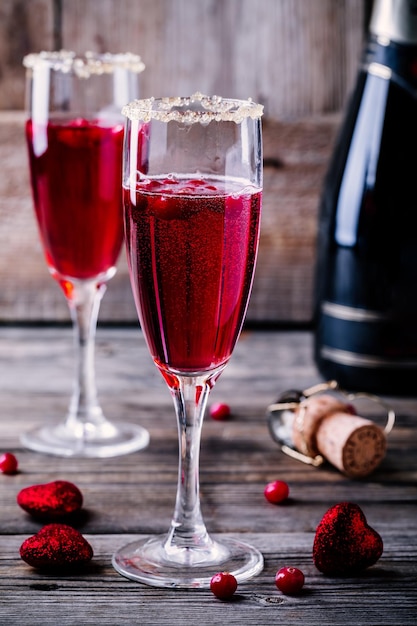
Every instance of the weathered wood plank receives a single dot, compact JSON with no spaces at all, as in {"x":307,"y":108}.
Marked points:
{"x":25,"y":26}
{"x":100,"y":595}
{"x":283,"y":286}
{"x":299,"y":58}
{"x":189,"y":47}
{"x":295,"y":77}
{"x":134,"y":494}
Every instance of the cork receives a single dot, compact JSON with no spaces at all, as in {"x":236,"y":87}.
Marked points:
{"x":324,"y":425}
{"x":307,"y":418}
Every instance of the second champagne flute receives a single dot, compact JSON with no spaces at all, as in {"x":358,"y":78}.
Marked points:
{"x":75,"y":136}
{"x":192,"y":196}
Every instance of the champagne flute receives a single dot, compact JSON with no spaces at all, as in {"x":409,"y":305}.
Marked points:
{"x":192,"y":197}
{"x":74,"y":136}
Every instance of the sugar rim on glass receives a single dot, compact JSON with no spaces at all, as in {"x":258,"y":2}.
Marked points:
{"x":95,"y":63}
{"x":195,"y":108}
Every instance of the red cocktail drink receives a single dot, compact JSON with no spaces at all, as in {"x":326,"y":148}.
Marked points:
{"x":76,"y":183}
{"x":192,"y":249}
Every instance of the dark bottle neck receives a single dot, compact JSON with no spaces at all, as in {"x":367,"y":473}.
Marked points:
{"x":393,"y":60}
{"x":394,"y":21}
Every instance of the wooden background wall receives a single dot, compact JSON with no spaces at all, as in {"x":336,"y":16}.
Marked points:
{"x":298,"y":57}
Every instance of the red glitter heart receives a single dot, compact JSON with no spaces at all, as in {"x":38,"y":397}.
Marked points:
{"x":56,"y":546}
{"x":344,"y":543}
{"x":51,"y":501}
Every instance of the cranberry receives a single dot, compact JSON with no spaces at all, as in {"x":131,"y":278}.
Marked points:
{"x":79,"y":121}
{"x":223,"y":585}
{"x":276,"y":491}
{"x":220,"y":411}
{"x":350,"y":408}
{"x":8,"y":463}
{"x":166,"y":207}
{"x":289,"y":580}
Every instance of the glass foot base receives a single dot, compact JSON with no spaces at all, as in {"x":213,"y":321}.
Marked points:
{"x":110,"y":440}
{"x":146,"y":561}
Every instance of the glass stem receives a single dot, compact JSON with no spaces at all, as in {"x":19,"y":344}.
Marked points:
{"x":188,"y":531}
{"x":85,"y":415}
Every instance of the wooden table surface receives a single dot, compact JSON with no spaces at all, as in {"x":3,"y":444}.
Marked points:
{"x":133,"y":495}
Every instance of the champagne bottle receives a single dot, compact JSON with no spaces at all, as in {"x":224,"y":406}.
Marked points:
{"x":366,"y":278}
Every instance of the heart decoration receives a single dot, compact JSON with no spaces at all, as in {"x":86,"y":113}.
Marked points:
{"x":51,"y":501}
{"x":344,"y":543}
{"x":56,"y":546}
